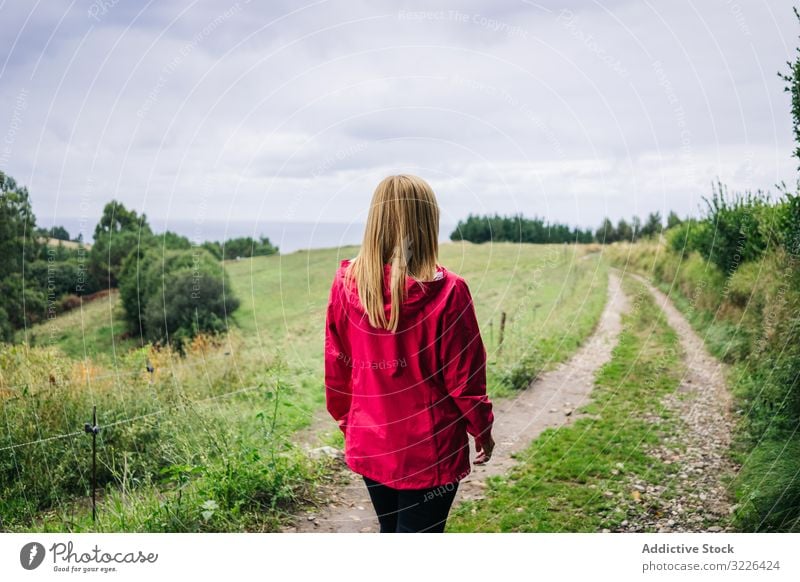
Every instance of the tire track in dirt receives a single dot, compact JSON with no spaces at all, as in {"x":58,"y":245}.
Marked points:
{"x":551,"y":401}
{"x":703,"y":404}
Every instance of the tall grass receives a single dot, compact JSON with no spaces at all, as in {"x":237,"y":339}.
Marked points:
{"x":199,"y":418}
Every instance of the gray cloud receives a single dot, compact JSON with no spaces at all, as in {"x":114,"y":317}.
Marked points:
{"x":571,"y":110}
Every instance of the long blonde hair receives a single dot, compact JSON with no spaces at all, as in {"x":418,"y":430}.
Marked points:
{"x":402,"y":229}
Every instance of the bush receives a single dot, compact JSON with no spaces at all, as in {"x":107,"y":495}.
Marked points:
{"x":24,"y":304}
{"x":691,"y":235}
{"x":109,"y":252}
{"x":58,"y":278}
{"x":768,"y":490}
{"x":523,"y":371}
{"x":171,"y":296}
{"x":742,"y":229}
{"x":193,"y":302}
{"x":789,"y":224}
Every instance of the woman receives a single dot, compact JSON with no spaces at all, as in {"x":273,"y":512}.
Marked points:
{"x":405,"y":366}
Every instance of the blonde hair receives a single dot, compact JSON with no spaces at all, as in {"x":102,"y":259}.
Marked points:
{"x":402,"y":229}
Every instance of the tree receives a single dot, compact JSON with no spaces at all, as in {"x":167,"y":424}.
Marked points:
{"x":636,"y":227}
{"x":516,"y":228}
{"x":624,"y":230}
{"x":118,"y":232}
{"x":117,"y":218}
{"x":20,"y":304}
{"x":792,"y":79}
{"x":652,"y":226}
{"x":240,"y":247}
{"x":606,"y":234}
{"x":172,"y":240}
{"x":17,"y":227}
{"x":673,"y":220}
{"x":56,"y":232}
{"x":791,"y":229}
{"x":59,"y":232}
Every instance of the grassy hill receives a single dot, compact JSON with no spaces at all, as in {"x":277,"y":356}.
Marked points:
{"x":283,"y":299}
{"x":214,"y":426}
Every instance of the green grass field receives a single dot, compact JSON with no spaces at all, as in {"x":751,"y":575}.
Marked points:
{"x":204,"y":442}
{"x":94,"y":331}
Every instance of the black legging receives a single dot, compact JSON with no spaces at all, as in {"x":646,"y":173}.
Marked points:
{"x":411,"y":510}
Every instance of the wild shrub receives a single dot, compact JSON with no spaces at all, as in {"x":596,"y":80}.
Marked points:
{"x":170,"y":296}
{"x":739,"y":226}
{"x":518,"y":374}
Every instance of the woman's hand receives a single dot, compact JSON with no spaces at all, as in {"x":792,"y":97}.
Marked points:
{"x":484,"y":445}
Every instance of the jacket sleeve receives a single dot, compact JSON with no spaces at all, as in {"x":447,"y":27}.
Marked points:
{"x":463,"y":362}
{"x":338,"y":378}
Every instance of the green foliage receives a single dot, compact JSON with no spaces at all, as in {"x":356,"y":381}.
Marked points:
{"x":743,"y":228}
{"x":673,"y":220}
{"x":768,"y":487}
{"x":789,"y":224}
{"x":56,"y":232}
{"x":169,"y":458}
{"x":65,"y":277}
{"x":171,"y":296}
{"x":116,"y":218}
{"x":624,"y":230}
{"x":653,"y":225}
{"x":516,"y":228}
{"x":172,"y":240}
{"x":241,"y":247}
{"x":118,"y":233}
{"x":606,"y":234}
{"x":690,"y":235}
{"x":24,"y":304}
{"x":520,"y":373}
{"x":56,"y":275}
{"x":20,"y":304}
{"x":792,"y":79}
{"x":631,"y":231}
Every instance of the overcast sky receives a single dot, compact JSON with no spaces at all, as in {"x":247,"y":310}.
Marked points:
{"x":293,"y":111}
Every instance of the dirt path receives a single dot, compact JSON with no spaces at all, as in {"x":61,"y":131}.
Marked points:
{"x":703,"y":402}
{"x":549,"y":402}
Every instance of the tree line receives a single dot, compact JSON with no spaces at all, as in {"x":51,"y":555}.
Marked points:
{"x":517,"y":228}
{"x":170,"y":288}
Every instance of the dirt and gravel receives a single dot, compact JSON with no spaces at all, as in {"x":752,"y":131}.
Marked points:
{"x":697,"y":498}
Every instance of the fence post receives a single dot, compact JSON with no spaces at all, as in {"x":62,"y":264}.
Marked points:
{"x":93,"y":429}
{"x":502,"y":330}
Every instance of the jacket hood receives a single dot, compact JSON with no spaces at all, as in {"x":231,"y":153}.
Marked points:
{"x":418,"y":294}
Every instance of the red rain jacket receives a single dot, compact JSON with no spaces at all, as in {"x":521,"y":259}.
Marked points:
{"x":406,"y":400}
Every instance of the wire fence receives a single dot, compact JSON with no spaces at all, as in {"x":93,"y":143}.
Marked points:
{"x":94,"y":428}
{"x":130,"y":420}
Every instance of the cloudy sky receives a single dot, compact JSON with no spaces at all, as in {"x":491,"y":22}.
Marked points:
{"x":196,"y":112}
